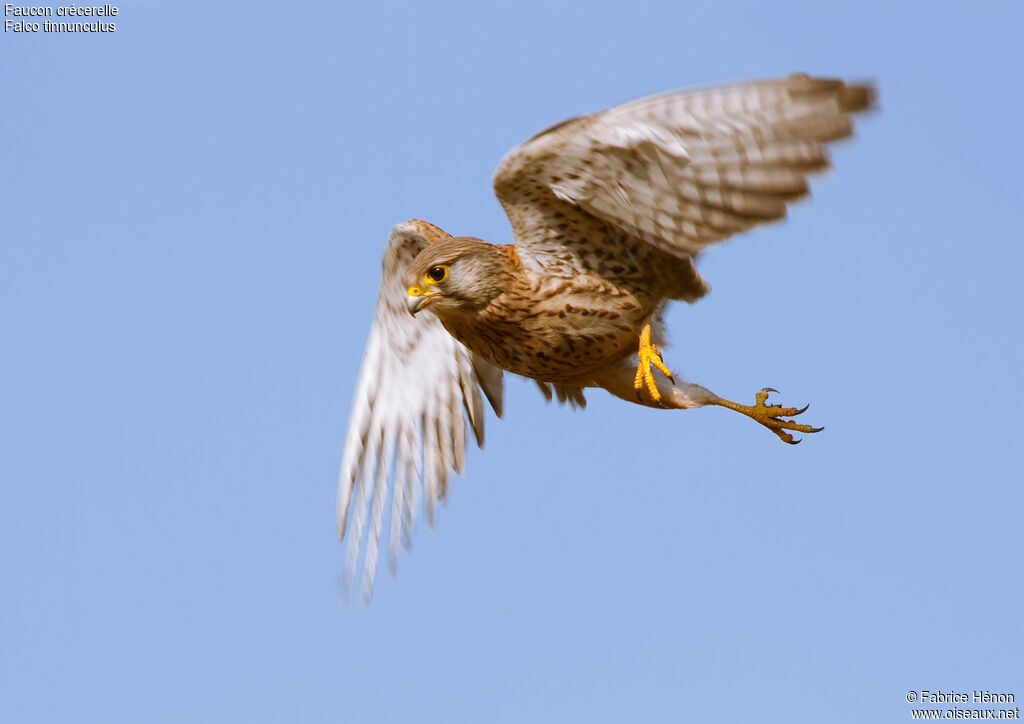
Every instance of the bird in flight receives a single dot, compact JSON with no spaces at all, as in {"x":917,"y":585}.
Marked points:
{"x":608,"y":214}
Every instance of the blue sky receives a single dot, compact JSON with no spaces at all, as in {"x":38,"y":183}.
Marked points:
{"x":194,"y":212}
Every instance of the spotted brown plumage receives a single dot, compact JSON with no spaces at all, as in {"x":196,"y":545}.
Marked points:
{"x":608,"y":212}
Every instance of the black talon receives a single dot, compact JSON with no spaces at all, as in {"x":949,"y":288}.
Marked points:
{"x":802,"y":409}
{"x":769,"y":389}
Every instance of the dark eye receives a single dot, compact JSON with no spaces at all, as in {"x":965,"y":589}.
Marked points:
{"x":437,"y":273}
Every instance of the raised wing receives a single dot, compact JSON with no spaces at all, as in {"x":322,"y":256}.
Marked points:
{"x":680,"y":170}
{"x":407,"y":429}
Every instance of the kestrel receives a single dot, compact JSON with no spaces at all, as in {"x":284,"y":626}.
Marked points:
{"x":608,"y":214}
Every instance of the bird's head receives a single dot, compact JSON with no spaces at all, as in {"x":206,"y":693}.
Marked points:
{"x":460,"y":275}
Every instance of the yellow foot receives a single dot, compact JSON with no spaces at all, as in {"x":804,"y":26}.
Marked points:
{"x":647,"y":355}
{"x":771,"y":415}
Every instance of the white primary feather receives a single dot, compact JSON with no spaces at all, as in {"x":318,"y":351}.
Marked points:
{"x":407,"y":428}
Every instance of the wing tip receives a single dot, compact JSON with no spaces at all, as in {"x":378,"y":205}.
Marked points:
{"x":858,"y":97}
{"x":852,"y":97}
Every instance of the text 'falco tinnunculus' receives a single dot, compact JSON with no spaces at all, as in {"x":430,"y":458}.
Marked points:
{"x":608,"y":212}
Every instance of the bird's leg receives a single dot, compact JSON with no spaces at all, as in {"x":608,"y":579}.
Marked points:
{"x":647,"y":355}
{"x":770,"y":415}
{"x":624,"y":381}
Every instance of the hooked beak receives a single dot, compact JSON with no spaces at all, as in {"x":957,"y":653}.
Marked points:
{"x":418,"y":299}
